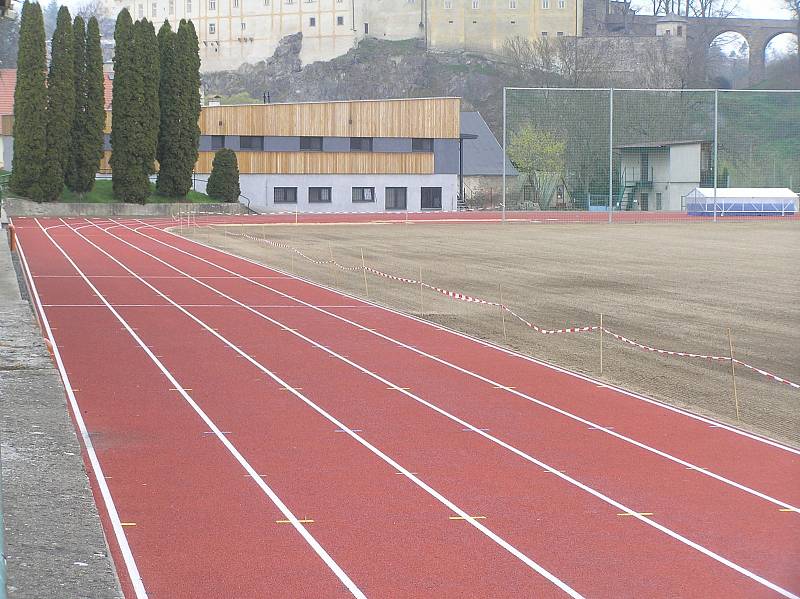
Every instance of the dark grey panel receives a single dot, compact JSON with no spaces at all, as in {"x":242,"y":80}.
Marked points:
{"x":107,"y":142}
{"x":281,"y":144}
{"x":445,"y":156}
{"x":232,"y":142}
{"x":484,"y":155}
{"x":335,"y":144}
{"x":391,"y":144}
{"x":205,"y":143}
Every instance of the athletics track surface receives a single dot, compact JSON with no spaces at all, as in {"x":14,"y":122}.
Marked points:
{"x":249,"y":434}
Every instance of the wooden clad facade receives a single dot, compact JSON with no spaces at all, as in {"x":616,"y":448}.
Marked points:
{"x":424,"y":117}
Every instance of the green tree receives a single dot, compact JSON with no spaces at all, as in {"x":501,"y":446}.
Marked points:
{"x":540,"y":155}
{"x":30,"y":104}
{"x":129,"y":177}
{"x":60,"y":107}
{"x":147,"y":63}
{"x":87,"y":130}
{"x":50,"y":16}
{"x":167,"y":97}
{"x":223,"y":184}
{"x":180,"y":132}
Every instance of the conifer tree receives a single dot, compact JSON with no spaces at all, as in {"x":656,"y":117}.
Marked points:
{"x":166,"y":96}
{"x":129,"y":177}
{"x":223,"y":184}
{"x":147,"y":63}
{"x":181,"y":132}
{"x":30,"y":105}
{"x":87,"y":131}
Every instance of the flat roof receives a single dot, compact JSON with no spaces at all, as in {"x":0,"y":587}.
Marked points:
{"x":661,"y":144}
{"x":329,"y":101}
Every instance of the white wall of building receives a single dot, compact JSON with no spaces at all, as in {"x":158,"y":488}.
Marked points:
{"x":259,"y":189}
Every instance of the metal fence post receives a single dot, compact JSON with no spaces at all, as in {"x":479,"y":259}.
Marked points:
{"x":505,"y":155}
{"x":610,"y":151}
{"x":716,"y":147}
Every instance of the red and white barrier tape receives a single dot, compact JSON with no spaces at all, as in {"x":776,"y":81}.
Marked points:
{"x":476,"y":300}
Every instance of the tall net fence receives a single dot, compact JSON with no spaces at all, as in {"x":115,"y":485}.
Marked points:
{"x":654,"y":154}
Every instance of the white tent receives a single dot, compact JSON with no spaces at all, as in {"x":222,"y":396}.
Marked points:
{"x":742,"y":201}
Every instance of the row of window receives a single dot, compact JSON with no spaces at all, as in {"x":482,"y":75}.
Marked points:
{"x":212,"y":6}
{"x":396,"y":197}
{"x":314,"y":144}
{"x":512,"y":4}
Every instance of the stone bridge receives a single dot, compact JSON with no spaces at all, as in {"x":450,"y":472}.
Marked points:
{"x":757,"y":32}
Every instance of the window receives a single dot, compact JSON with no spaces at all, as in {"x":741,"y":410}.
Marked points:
{"x":311,"y":144}
{"x":545,"y":3}
{"x":188,"y":6}
{"x":340,"y":20}
{"x":421,"y":144}
{"x":312,"y":21}
{"x":217,"y":142}
{"x":562,"y":4}
{"x":559,"y":34}
{"x":172,"y":7}
{"x":154,"y":9}
{"x":361,"y":144}
{"x":680,"y":30}
{"x":658,"y":200}
{"x":366,"y":28}
{"x":431,"y":198}
{"x":363,"y":194}
{"x":235,"y":3}
{"x":319,"y":195}
{"x":668,"y":33}
{"x":284,"y":195}
{"x":512,"y":4}
{"x":544,"y":34}
{"x":395,"y":198}
{"x":244,"y":25}
{"x":212,"y":28}
{"x":212,"y":4}
{"x":141,"y":11}
{"x":476,"y":4}
{"x":448,"y":4}
{"x":251,"y":142}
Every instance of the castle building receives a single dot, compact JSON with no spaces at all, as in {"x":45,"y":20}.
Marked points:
{"x":234,"y":32}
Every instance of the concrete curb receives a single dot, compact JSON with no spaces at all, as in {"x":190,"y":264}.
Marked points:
{"x":55,"y":545}
{"x":19,"y":207}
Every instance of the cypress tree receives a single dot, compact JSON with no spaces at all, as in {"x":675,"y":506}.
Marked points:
{"x":182,"y":132}
{"x":166,"y":92}
{"x":60,"y":106}
{"x":129,"y":179}
{"x":87,"y":132}
{"x":30,"y":104}
{"x":147,"y":63}
{"x":223,"y":184}
{"x":71,"y":175}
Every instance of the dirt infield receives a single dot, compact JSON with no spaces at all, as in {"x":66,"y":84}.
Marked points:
{"x":677,"y":287}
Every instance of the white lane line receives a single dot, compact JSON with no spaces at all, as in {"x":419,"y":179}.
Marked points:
{"x":105,"y":492}
{"x":313,"y":543}
{"x":339,"y":425}
{"x":481,"y":431}
{"x":482,"y":342}
{"x":480,"y":377}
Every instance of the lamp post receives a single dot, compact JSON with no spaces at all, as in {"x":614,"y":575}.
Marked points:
{"x":461,"y":139}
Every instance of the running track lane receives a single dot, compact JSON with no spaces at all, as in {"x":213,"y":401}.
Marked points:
{"x":245,"y":325}
{"x":720,"y":522}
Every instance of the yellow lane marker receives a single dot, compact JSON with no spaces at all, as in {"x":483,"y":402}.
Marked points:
{"x":551,"y":472}
{"x":288,"y":329}
{"x":636,"y":514}
{"x":127,"y":523}
{"x":502,"y":387}
{"x":301,"y":521}
{"x":399,"y":388}
{"x":695,"y":468}
{"x":468,"y":517}
{"x":291,"y":388}
{"x":788,"y":509}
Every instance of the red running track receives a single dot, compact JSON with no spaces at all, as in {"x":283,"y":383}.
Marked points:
{"x":251,"y":434}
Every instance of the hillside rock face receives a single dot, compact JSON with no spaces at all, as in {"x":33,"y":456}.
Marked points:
{"x":375,"y":69}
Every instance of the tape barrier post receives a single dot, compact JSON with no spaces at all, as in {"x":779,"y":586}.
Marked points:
{"x":363,"y":270}
{"x":502,"y":311}
{"x":333,"y":267}
{"x":601,"y":344}
{"x":12,"y":238}
{"x":421,"y":305}
{"x":733,"y":375}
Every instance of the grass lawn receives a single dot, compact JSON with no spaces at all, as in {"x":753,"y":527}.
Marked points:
{"x":102,"y":194}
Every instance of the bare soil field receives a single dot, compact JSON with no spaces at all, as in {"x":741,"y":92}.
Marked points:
{"x":671,"y":286}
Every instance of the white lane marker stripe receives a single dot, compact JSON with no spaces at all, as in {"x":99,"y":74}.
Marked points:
{"x":335,"y":568}
{"x":480,"y":377}
{"x":482,"y":432}
{"x":105,"y":492}
{"x":351,"y":432}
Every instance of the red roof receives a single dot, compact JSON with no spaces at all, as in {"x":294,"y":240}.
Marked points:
{"x":8,"y":81}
